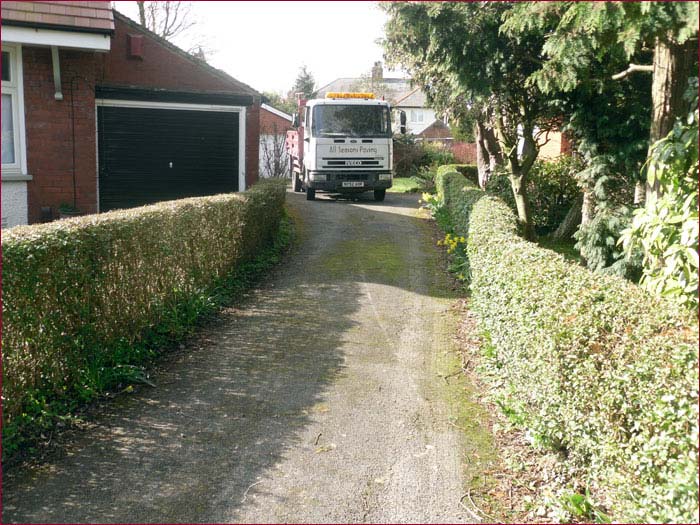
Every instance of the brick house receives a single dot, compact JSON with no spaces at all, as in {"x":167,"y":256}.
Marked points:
{"x":100,"y":113}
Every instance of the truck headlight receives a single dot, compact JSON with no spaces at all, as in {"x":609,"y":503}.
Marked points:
{"x":319,"y":177}
{"x":385,"y":176}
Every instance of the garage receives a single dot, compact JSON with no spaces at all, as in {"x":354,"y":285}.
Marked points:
{"x":150,"y":152}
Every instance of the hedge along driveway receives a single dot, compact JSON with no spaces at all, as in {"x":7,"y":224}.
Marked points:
{"x":600,"y":369}
{"x":79,"y":295}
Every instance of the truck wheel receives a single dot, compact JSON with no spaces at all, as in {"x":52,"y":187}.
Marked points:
{"x":379,"y":195}
{"x":310,"y":194}
{"x":296,"y":183}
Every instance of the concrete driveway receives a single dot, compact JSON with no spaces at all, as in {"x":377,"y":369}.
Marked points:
{"x":319,"y":398}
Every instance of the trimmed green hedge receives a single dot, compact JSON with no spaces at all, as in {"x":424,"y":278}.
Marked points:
{"x":469,"y":171}
{"x":602,"y":371}
{"x":79,"y":296}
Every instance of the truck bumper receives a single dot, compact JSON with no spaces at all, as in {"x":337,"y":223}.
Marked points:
{"x":349,"y":182}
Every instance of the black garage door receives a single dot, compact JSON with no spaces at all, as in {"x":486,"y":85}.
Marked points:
{"x":150,"y":155}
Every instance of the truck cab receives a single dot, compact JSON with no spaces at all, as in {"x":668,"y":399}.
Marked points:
{"x":343,"y":145}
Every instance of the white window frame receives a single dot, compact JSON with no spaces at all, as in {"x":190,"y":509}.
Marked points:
{"x":417,"y":116}
{"x":16,"y":171}
{"x":241,"y":110}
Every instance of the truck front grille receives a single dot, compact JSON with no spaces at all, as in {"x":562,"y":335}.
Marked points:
{"x":351,"y":162}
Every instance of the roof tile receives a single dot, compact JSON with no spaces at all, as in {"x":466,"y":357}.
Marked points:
{"x":85,"y":14}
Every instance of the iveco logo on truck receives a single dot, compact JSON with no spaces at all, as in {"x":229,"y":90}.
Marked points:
{"x":341,"y":144}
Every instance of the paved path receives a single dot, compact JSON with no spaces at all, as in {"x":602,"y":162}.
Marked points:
{"x":318,"y":400}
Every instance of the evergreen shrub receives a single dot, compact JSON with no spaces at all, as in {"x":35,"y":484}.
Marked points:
{"x":604,"y":372}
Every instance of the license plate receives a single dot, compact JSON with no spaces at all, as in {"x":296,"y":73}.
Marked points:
{"x":353,"y":184}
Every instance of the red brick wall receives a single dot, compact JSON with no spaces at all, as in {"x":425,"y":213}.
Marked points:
{"x":160,"y":66}
{"x":49,"y":130}
{"x":464,"y":152}
{"x":567,"y":146}
{"x":271,"y":124}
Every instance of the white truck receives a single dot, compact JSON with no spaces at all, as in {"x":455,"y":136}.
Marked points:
{"x":343,"y":144}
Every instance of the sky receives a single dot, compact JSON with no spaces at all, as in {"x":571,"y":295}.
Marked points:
{"x":264,"y":43}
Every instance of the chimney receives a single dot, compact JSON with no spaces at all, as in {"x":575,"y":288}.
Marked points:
{"x":377,"y":72}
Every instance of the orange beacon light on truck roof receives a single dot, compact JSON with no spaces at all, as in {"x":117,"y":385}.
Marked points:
{"x":334,"y":94}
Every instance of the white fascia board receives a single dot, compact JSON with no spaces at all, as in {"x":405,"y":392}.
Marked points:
{"x":50,"y":37}
{"x":147,"y":104}
{"x":277,"y":112}
{"x":241,"y":149}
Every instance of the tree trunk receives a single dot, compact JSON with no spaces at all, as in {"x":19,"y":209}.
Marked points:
{"x":482,"y":156}
{"x":672,"y":68}
{"x":142,"y":13}
{"x":492,"y":147}
{"x":587,"y":206}
{"x":488,"y":152}
{"x":639,"y":190}
{"x":518,"y":182}
{"x":568,"y":226}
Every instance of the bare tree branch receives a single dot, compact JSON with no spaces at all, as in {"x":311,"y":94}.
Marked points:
{"x":274,"y":154}
{"x":166,"y":19}
{"x":634,"y":68}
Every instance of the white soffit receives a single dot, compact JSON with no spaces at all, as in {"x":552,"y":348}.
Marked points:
{"x":51,"y":37}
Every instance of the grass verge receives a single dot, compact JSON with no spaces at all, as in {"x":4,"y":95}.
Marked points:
{"x":406,"y":185}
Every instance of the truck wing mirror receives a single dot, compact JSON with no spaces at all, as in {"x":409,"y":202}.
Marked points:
{"x":402,"y":121}
{"x":295,"y":120}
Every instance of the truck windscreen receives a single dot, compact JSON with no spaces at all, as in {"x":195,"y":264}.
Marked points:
{"x":351,"y":121}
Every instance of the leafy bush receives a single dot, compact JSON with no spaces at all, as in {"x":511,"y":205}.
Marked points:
{"x":411,"y":156}
{"x":436,"y":154}
{"x":469,"y":171}
{"x":666,"y":229}
{"x":605,"y":372}
{"x":597,"y":242}
{"x":82,"y":296}
{"x":551,"y":189}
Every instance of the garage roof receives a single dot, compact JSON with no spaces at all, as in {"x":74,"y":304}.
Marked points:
{"x":235,"y":84}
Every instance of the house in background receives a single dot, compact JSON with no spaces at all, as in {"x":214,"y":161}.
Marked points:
{"x":274,"y":124}
{"x":99,"y":113}
{"x":421,"y":120}
{"x":386,"y":88}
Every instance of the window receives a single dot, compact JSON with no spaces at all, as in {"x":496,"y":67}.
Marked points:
{"x":12,"y":111}
{"x":338,"y":120}
{"x":416,"y":116}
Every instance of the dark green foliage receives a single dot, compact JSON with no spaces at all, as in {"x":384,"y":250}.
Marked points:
{"x":87,"y":300}
{"x":552,"y":189}
{"x":581,"y":35}
{"x":597,"y":242}
{"x":282,"y":103}
{"x":304,"y":84}
{"x":463,"y":128}
{"x":606,"y":373}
